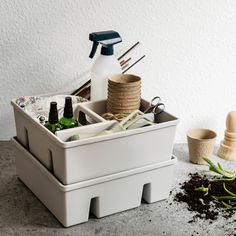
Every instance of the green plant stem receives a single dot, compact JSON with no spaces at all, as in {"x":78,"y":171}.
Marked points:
{"x":202,"y":189}
{"x":223,"y":179}
{"x":226,"y":205}
{"x":223,"y":198}
{"x":219,"y":170}
{"x":229,"y":192}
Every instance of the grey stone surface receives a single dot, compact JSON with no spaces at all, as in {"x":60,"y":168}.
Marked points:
{"x":21,"y":213}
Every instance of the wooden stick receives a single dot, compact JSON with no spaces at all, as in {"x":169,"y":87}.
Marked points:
{"x":134,"y":64}
{"x":81,"y":90}
{"x":124,"y":62}
{"x":125,"y":66}
{"x":128,"y":51}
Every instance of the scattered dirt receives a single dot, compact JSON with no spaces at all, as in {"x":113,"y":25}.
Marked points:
{"x":205,"y":207}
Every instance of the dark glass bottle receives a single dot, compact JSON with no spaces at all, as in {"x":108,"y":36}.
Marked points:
{"x":52,"y":123}
{"x":68,"y":121}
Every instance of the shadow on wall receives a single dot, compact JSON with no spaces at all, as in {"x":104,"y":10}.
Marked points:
{"x":76,"y":81}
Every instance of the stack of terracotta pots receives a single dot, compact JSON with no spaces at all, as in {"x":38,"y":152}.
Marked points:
{"x":124,"y":94}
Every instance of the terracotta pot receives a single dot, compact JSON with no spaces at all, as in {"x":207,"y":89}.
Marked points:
{"x":125,"y":81}
{"x":201,"y":144}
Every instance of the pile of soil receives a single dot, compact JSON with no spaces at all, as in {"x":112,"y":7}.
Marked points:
{"x":205,"y":207}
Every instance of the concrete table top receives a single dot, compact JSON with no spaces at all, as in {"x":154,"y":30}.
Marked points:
{"x":21,"y":213}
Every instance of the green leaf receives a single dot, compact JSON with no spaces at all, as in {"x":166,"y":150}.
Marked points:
{"x":220,"y":167}
{"x":202,"y":189}
{"x":219,"y":170}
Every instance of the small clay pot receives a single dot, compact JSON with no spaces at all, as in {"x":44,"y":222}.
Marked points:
{"x":124,"y":86}
{"x":124,"y":102}
{"x":201,"y":144}
{"x":122,"y":94}
{"x":124,"y":81}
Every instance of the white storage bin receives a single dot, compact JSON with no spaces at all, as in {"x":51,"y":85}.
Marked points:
{"x":81,"y":160}
{"x":35,"y":137}
{"x":111,"y":194}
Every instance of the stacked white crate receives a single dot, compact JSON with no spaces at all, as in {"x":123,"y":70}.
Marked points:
{"x":111,"y":169}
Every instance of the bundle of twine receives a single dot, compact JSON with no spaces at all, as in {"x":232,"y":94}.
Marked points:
{"x":110,"y":116}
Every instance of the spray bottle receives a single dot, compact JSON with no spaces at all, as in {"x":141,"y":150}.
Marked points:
{"x":106,"y":64}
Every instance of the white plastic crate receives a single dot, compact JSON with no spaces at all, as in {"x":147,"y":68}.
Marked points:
{"x":111,"y":194}
{"x":81,"y":160}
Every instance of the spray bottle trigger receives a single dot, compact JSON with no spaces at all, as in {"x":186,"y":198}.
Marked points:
{"x":94,"y":48}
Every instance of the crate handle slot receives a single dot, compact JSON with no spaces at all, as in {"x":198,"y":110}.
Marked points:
{"x":146,"y":192}
{"x":94,"y":206}
{"x":51,"y":162}
{"x":26,"y":138}
{"x":82,"y":118}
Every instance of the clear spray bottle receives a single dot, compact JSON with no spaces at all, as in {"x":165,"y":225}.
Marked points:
{"x":106,"y":64}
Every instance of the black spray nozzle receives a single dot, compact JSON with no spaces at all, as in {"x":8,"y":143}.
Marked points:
{"x":107,"y":39}
{"x":53,"y":114}
{"x":68,"y":109}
